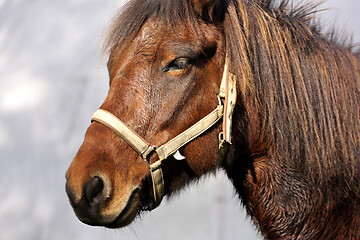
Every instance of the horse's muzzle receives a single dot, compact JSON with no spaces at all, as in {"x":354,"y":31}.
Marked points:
{"x":88,"y":207}
{"x":92,"y":206}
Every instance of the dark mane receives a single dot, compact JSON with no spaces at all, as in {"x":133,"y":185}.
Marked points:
{"x":133,"y":14}
{"x":303,"y":89}
{"x":299,"y":83}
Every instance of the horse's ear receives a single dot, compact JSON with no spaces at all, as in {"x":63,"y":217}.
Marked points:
{"x":203,"y":7}
{"x":212,"y":10}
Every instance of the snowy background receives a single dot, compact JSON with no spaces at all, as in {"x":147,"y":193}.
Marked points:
{"x":52,"y":79}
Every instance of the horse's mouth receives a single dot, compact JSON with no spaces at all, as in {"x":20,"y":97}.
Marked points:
{"x":128,"y":214}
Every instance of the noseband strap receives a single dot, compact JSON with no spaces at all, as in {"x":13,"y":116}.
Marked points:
{"x":129,"y":136}
{"x":143,"y":148}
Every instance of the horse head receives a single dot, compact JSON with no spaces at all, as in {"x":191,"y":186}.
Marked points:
{"x":165,"y":77}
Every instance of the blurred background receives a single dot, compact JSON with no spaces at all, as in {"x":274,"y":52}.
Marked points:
{"x":52,"y":79}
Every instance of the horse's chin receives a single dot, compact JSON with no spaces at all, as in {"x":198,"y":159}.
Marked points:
{"x":111,"y":218}
{"x":128,"y":214}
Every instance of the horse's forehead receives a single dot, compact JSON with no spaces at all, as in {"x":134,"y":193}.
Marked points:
{"x":151,"y":29}
{"x":154,"y":39}
{"x":138,"y":49}
{"x":156,"y":33}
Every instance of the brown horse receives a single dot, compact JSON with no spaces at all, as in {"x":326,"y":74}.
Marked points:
{"x":289,"y":143}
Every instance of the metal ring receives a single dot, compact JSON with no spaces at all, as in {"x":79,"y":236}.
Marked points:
{"x":221,"y":136}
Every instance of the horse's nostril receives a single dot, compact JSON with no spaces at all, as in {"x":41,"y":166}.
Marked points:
{"x":94,"y":191}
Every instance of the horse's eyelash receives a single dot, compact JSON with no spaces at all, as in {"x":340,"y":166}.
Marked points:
{"x":174,"y":63}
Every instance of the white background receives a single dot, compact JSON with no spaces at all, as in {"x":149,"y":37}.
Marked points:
{"x":52,"y":79}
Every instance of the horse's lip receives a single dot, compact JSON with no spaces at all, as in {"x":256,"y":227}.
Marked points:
{"x":127,"y":215}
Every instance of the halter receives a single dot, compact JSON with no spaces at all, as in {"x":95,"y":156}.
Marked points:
{"x":227,"y":94}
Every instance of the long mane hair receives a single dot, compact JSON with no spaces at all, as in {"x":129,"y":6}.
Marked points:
{"x":301,"y":90}
{"x":298,"y":86}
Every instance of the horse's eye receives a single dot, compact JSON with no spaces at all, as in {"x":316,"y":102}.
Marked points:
{"x":177,"y":64}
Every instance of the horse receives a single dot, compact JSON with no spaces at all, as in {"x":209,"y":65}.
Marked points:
{"x":252,"y":87}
